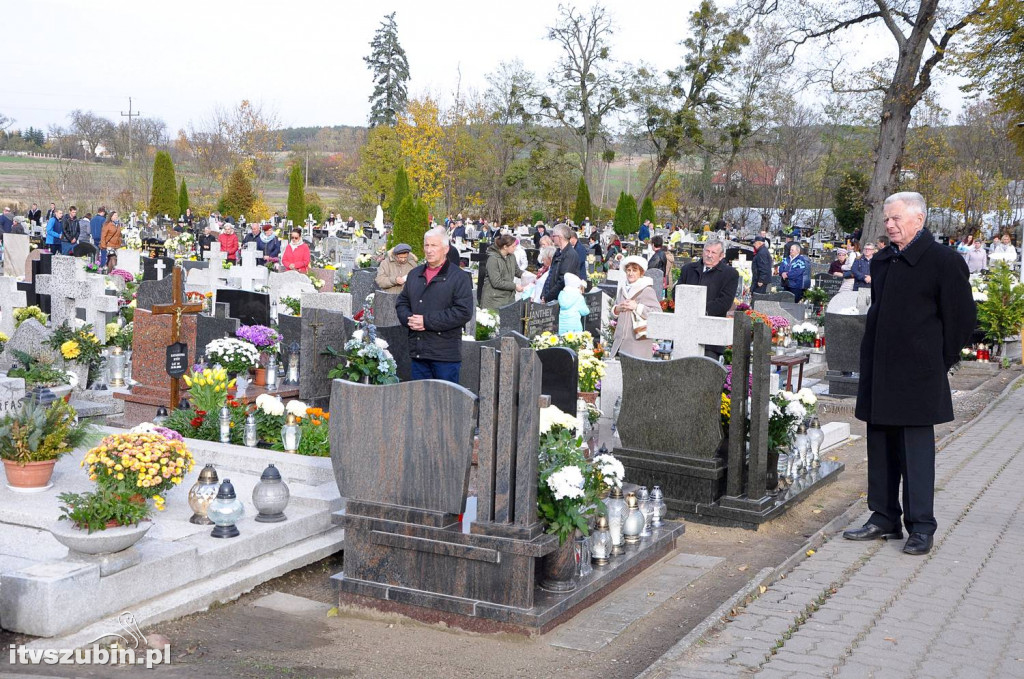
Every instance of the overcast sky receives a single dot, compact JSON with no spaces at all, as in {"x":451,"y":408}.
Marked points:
{"x":301,"y":59}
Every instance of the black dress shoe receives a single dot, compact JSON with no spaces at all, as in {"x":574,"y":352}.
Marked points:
{"x":918,"y":544}
{"x":870,"y":531}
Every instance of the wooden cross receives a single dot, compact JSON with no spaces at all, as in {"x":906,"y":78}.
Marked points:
{"x":177,"y":308}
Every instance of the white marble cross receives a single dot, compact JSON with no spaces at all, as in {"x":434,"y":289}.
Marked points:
{"x":216,"y":258}
{"x":160,"y":266}
{"x":66,"y":285}
{"x":689,"y":328}
{"x":249,"y":274}
{"x":11,"y":298}
{"x":99,"y":306}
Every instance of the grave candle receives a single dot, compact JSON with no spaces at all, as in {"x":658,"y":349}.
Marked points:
{"x":616,"y":514}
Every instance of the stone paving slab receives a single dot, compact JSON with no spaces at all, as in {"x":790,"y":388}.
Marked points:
{"x":857,"y":609}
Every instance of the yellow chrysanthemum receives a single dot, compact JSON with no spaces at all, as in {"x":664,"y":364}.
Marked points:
{"x":70,"y":350}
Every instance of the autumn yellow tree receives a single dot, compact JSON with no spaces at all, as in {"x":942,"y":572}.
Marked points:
{"x":421,"y":140}
{"x":379,"y":159}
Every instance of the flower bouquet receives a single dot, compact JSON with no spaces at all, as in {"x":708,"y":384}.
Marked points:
{"x":590,"y":372}
{"x":234,"y":355}
{"x":486,"y":324}
{"x":293,"y":305}
{"x":805,"y":333}
{"x":120,"y":335}
{"x":260,"y":336}
{"x":24,"y":313}
{"x":365,"y":359}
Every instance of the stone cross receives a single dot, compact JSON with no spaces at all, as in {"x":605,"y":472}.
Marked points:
{"x":160,"y":266}
{"x":176,"y":308}
{"x":249,"y":273}
{"x":689,"y":328}
{"x":66,"y":285}
{"x":216,"y":258}
{"x":99,"y":306}
{"x":11,"y":298}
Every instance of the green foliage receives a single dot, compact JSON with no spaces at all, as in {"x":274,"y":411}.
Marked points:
{"x":296,"y":197}
{"x":410,"y":225}
{"x":647,"y":212}
{"x":850,"y":207}
{"x":626,"y":218}
{"x":379,"y":159}
{"x":401,"y":190}
{"x":183,"y":203}
{"x":816,"y":296}
{"x":561,"y":448}
{"x":163,"y":199}
{"x":314,"y":206}
{"x":537,"y":216}
{"x":24,"y":313}
{"x":239,"y":196}
{"x":390,"y":70}
{"x":294,"y":305}
{"x":37,"y":372}
{"x":1002,"y":313}
{"x":583,"y":206}
{"x":93,"y":511}
{"x":36,"y":433}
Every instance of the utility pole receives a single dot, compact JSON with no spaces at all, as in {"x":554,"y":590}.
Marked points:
{"x":130,"y":115}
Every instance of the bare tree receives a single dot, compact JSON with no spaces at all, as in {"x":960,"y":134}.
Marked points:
{"x":917,"y":28}
{"x":583,"y":89}
{"x":92,"y":130}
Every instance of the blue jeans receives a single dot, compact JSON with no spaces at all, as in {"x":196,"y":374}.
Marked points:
{"x":436,"y":370}
{"x":66,"y":248}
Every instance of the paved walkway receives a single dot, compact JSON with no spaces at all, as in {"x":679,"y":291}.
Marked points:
{"x":855,"y":609}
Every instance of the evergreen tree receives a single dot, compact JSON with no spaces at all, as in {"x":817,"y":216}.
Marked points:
{"x":296,"y":197}
{"x":163,"y":199}
{"x":850,"y":206}
{"x":314,"y":205}
{"x":583,"y":207}
{"x":239,"y":195}
{"x":401,"y":190}
{"x":410,"y":225}
{"x":390,"y":75}
{"x":626,"y":218}
{"x":647,"y":212}
{"x":183,"y":203}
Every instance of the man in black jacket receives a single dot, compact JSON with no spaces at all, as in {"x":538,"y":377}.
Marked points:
{"x":715,"y":274}
{"x":922,"y":314}
{"x":761,"y":267}
{"x":565,"y":261}
{"x":70,"y":229}
{"x":435,"y":303}
{"x":35,"y":215}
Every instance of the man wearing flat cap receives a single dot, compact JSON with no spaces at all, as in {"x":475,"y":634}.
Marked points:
{"x":761,"y":267}
{"x":392,"y":272}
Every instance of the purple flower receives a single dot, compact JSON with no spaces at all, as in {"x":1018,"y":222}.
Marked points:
{"x":169,"y":434}
{"x":259,"y":336}
{"x":126,"y":275}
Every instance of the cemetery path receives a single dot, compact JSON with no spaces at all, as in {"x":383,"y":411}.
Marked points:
{"x":282,"y":628}
{"x":867,"y":610}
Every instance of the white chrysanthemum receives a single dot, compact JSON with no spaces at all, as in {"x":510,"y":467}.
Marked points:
{"x":611,"y":469}
{"x":271,"y":405}
{"x":796,"y":409}
{"x":567,"y":483}
{"x":807,"y":396}
{"x":773,"y":409}
{"x":297,"y":408}
{"x":485,"y":318}
{"x":143,"y":428}
{"x":788,"y":395}
{"x":552,"y":416}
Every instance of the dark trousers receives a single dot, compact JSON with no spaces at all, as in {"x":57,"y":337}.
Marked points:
{"x":436,"y":370}
{"x":907,"y":454}
{"x":798,"y":294}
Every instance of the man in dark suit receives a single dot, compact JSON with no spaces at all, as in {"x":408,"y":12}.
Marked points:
{"x":35,"y":215}
{"x":715,"y":274}
{"x":761,"y":267}
{"x":565,"y":261}
{"x":922,"y":314}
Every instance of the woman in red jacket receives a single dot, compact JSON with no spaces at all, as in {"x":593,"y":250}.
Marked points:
{"x":295,"y":255}
{"x":229,"y":242}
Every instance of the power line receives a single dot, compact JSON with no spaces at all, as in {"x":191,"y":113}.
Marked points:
{"x":130,"y":115}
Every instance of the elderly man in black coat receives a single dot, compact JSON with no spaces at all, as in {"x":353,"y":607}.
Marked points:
{"x":761,"y":267}
{"x":922,"y":314}
{"x":721,"y":280}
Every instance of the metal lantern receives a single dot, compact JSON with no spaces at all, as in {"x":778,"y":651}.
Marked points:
{"x":115,"y":365}
{"x":250,"y":436}
{"x":634,"y":521}
{"x":160,"y":417}
{"x":293,"y":364}
{"x":616,"y":515}
{"x":225,"y":425}
{"x":183,"y":404}
{"x":272,"y":372}
{"x":41,"y":396}
{"x":201,"y":494}
{"x":601,"y":543}
{"x":643,"y":499}
{"x":225,"y":511}
{"x":817,"y":437}
{"x":658,"y":500}
{"x":270,"y":496}
{"x":291,"y":435}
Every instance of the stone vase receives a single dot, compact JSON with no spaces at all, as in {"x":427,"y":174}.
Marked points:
{"x":30,"y":476}
{"x":559,"y":569}
{"x":772,"y":476}
{"x":108,"y":541}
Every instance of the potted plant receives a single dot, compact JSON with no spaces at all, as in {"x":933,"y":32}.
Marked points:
{"x":365,"y":358}
{"x":266,"y":340}
{"x":34,"y":438}
{"x":486,"y":325}
{"x":129,"y":469}
{"x":1001,"y":311}
{"x":236,"y":357}
{"x":40,"y":372}
{"x":590,"y":373}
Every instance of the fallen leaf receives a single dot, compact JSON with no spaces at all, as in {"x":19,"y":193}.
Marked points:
{"x":743,"y":567}
{"x":890,"y":639}
{"x":763,"y":589}
{"x":834,"y":458}
{"x":333,"y":613}
{"x":809,"y":552}
{"x":815,"y":511}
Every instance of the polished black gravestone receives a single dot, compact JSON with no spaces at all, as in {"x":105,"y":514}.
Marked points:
{"x":830,"y":284}
{"x":843,"y":335}
{"x":401,"y":455}
{"x":290,"y":328}
{"x":250,"y":308}
{"x":321,"y":329}
{"x":561,"y":377}
{"x":671,"y":430}
{"x":209,"y":328}
{"x":397,"y":337}
{"x":592,"y":321}
{"x":149,"y":268}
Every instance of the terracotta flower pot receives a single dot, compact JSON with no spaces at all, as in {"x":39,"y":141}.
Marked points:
{"x":30,"y":474}
{"x":260,"y":380}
